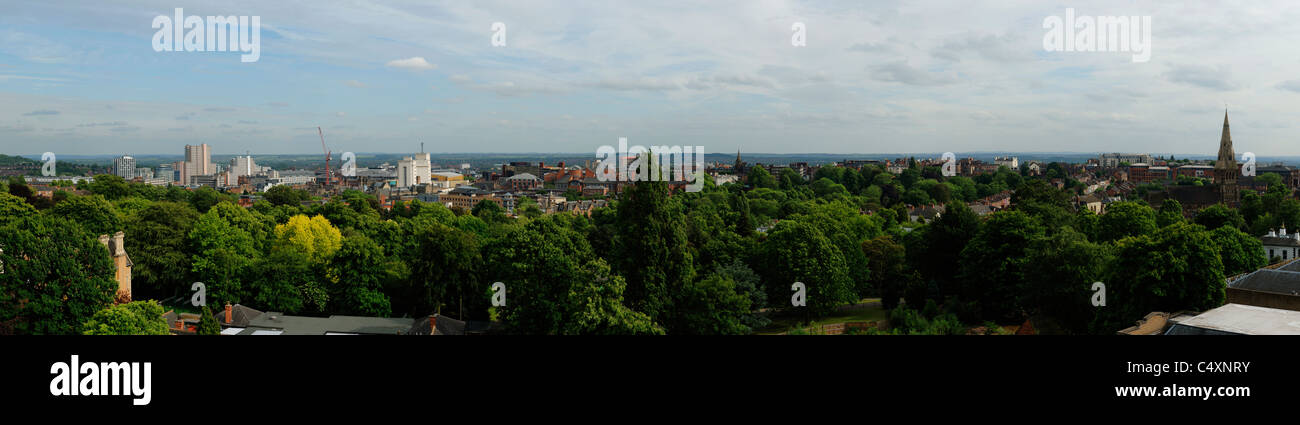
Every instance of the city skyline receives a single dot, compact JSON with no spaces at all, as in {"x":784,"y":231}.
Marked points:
{"x":876,"y":77}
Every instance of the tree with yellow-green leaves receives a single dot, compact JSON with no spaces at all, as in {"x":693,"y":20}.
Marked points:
{"x":314,"y":237}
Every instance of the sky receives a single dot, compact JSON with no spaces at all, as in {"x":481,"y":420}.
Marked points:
{"x":83,"y":78}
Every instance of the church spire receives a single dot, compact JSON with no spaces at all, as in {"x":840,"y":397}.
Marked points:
{"x":1225,"y":168}
{"x":1227,"y":158}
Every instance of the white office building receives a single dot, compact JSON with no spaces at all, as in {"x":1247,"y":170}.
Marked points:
{"x":413,"y":170}
{"x":124,"y":167}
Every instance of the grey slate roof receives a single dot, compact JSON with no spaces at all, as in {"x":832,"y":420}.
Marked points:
{"x":450,"y":326}
{"x":1274,"y":281}
{"x":305,"y":325}
{"x":1279,"y":241}
{"x":240,"y":316}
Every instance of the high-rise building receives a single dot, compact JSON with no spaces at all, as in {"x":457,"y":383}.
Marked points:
{"x":198,"y":160}
{"x":124,"y":166}
{"x":243,"y":166}
{"x":182,"y":173}
{"x":413,"y":170}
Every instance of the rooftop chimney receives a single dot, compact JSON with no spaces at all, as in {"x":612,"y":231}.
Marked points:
{"x":433,"y":324}
{"x":118,"y":246}
{"x":228,"y":313}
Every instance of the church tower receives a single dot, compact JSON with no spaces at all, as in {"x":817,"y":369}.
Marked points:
{"x":1225,"y":168}
{"x":740,"y":165}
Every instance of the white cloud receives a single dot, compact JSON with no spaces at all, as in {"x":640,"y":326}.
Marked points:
{"x":415,"y":64}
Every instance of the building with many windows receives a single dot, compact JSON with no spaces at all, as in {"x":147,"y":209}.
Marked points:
{"x":124,"y":167}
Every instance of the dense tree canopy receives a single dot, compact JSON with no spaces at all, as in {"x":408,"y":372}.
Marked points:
{"x":719,"y":261}
{"x":133,"y":318}
{"x":56,"y":276}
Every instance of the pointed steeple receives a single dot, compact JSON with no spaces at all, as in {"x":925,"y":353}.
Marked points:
{"x":1225,"y":168}
{"x":1227,"y":158}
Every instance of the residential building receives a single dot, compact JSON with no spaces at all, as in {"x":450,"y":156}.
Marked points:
{"x":1007,"y":161}
{"x":1115,"y":159}
{"x":1278,"y":244}
{"x":523,"y":181}
{"x":466,"y":197}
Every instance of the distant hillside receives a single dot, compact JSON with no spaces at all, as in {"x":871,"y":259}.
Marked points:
{"x":15,"y":160}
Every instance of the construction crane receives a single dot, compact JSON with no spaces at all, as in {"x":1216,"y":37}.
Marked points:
{"x":327,"y":155}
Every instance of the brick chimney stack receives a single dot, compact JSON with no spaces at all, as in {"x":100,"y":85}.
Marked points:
{"x":228,"y":313}
{"x":433,"y":325}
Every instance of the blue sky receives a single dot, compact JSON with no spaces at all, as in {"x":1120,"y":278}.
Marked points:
{"x":875,"y":77}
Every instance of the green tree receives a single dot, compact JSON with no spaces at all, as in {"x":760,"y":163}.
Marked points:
{"x":133,"y":318}
{"x":109,"y":186}
{"x":594,"y":306}
{"x":1219,"y":215}
{"x":935,"y":250}
{"x":714,"y":306}
{"x":1173,"y":270}
{"x":1126,"y":219}
{"x":444,"y":268}
{"x":759,"y":178}
{"x":204,"y":198}
{"x":285,"y":195}
{"x":886,"y":259}
{"x":315,"y":237}
{"x":1239,"y":252}
{"x":993,"y":265}
{"x":223,"y":256}
{"x":208,"y":325}
{"x":489,"y":211}
{"x":789,"y":179}
{"x":653,"y":247}
{"x":798,"y":252}
{"x":56,"y":276}
{"x":93,"y":213}
{"x":13,"y":208}
{"x":1059,"y":274}
{"x":358,"y":271}
{"x":157,"y":239}
{"x":1170,"y":212}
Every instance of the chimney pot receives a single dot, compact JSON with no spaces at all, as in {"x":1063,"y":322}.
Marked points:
{"x":228,"y":313}
{"x":433,"y":324}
